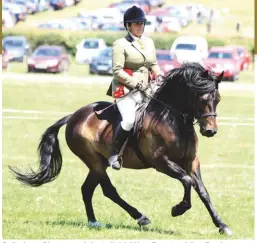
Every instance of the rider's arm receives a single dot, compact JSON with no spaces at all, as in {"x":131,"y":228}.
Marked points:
{"x":118,"y":60}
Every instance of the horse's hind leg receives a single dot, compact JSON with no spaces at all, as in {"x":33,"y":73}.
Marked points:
{"x":110,"y":191}
{"x":87,"y":190}
{"x":203,"y":194}
{"x":175,"y":171}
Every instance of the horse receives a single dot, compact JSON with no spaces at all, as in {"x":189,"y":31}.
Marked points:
{"x":164,"y":138}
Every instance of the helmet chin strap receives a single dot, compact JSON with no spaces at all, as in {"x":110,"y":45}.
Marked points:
{"x":135,"y":37}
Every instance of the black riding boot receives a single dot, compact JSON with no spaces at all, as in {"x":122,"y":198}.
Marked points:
{"x":119,"y":138}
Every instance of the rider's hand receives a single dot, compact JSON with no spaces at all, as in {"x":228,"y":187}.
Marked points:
{"x":159,"y":80}
{"x":140,"y":87}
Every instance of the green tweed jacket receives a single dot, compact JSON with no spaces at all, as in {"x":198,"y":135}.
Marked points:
{"x":127,"y":54}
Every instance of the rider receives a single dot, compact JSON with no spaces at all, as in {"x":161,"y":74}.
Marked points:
{"x":133,"y":62}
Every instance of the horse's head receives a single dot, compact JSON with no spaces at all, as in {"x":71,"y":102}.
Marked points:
{"x":205,"y":106}
{"x":192,"y":91}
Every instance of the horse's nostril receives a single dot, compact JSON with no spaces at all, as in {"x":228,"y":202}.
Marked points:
{"x":210,"y":133}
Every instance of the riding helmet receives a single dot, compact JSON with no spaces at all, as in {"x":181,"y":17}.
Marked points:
{"x":134,"y":14}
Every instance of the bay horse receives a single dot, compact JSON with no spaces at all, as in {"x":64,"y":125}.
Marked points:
{"x":165,"y":141}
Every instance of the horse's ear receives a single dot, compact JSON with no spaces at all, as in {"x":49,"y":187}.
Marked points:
{"x":206,"y":74}
{"x":220,"y":77}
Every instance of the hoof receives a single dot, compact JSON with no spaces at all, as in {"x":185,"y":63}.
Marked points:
{"x":225,"y":230}
{"x":143,"y":220}
{"x":96,"y":225}
{"x":180,"y":209}
{"x":114,"y":162}
{"x":116,"y":165}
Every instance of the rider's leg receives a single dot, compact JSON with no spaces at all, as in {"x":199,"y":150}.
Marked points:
{"x":127,"y":108}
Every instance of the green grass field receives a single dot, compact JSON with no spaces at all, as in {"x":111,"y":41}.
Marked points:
{"x":56,"y":210}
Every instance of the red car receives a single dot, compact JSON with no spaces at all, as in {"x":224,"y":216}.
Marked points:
{"x":245,"y":57}
{"x":225,"y":59}
{"x":166,"y":61}
{"x":52,"y":59}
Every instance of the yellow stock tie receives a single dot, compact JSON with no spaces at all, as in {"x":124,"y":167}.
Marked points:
{"x":140,"y":42}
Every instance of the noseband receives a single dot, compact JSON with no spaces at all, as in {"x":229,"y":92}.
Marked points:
{"x":203,"y":115}
{"x":207,"y":114}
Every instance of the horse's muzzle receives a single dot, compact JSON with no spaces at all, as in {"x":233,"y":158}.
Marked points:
{"x":209,"y":132}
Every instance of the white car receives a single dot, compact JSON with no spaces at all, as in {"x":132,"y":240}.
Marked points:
{"x":151,"y":24}
{"x":190,"y":49}
{"x":8,"y":19}
{"x":87,"y":49}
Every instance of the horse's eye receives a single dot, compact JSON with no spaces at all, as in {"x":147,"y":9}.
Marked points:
{"x":203,"y":101}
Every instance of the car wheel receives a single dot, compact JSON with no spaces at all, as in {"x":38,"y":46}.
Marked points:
{"x":234,"y":77}
{"x":30,"y":70}
{"x":64,"y":66}
{"x":245,"y":67}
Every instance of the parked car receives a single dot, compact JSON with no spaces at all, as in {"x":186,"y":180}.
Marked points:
{"x":58,"y":4}
{"x":17,"y":48}
{"x":224,"y":59}
{"x":19,"y":11}
{"x":166,"y":61}
{"x":190,"y":49}
{"x":170,"y":24}
{"x":124,"y":5}
{"x":144,"y":4}
{"x":245,"y":57}
{"x":102,"y":64}
{"x":87,"y":49}
{"x":5,"y":59}
{"x":8,"y":19}
{"x":151,"y":24}
{"x":47,"y":58}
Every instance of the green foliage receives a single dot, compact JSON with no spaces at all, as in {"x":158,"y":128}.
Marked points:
{"x":70,"y":39}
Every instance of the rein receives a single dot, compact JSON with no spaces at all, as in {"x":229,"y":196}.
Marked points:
{"x":184,"y":115}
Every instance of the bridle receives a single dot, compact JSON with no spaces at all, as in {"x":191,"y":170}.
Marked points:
{"x":197,"y":115}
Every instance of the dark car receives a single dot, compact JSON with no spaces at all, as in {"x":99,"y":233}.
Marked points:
{"x":17,"y":48}
{"x":58,"y":4}
{"x":102,"y":64}
{"x":166,"y":61}
{"x":46,"y":58}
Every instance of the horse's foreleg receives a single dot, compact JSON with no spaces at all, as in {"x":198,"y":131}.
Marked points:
{"x":110,"y":191}
{"x":175,"y":171}
{"x":204,"y":196}
{"x":87,"y":190}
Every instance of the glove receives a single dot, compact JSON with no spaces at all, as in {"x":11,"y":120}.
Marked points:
{"x":159,"y":80}
{"x":140,"y":87}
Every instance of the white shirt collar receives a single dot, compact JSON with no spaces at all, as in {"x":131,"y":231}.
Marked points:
{"x":134,"y":37}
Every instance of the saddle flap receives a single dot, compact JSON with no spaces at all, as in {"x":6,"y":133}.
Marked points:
{"x":107,"y":111}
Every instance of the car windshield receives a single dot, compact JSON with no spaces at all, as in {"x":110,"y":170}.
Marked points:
{"x":164,"y":57}
{"x":13,"y":43}
{"x":91,"y":44}
{"x":47,"y":52}
{"x":106,"y":53}
{"x":240,"y":51}
{"x":190,"y":47}
{"x":220,"y":55}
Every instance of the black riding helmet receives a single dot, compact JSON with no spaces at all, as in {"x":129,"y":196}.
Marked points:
{"x":134,"y":14}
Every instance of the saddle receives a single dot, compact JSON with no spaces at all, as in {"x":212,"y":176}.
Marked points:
{"x":110,"y":112}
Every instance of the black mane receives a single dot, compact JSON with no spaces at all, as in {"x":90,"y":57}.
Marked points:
{"x":191,"y":76}
{"x":178,"y":88}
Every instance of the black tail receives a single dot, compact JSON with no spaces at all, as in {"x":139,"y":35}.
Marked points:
{"x":50,"y":158}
